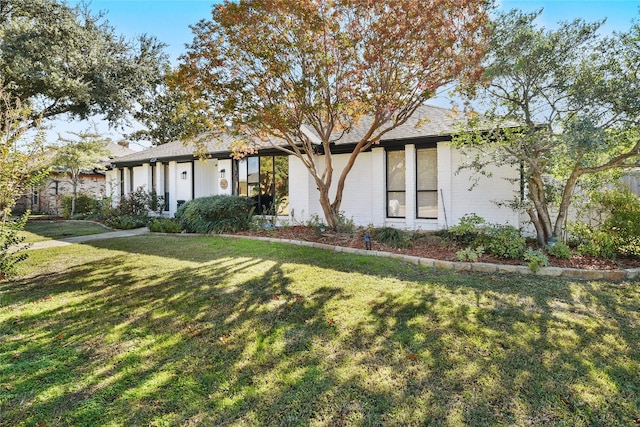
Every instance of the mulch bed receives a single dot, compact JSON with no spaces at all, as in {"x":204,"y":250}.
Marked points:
{"x":431,"y":246}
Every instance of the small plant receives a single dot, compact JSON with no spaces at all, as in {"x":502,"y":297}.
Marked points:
{"x":559,"y":250}
{"x":536,"y":258}
{"x":346,"y":225}
{"x":470,"y":254}
{"x":393,"y":237}
{"x":164,"y":225}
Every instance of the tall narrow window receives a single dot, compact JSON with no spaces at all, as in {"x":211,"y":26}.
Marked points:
{"x":396,"y":188}
{"x":131,"y":180}
{"x":153,"y":177}
{"x":165,"y":184}
{"x":122,"y":182}
{"x":427,"y":183}
{"x":35,"y":202}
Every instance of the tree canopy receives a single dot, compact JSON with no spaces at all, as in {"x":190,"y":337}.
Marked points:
{"x":574,"y":96}
{"x":85,"y":151}
{"x":301,"y":74}
{"x":58,"y":59}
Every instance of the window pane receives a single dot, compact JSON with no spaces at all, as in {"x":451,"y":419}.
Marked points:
{"x":253,"y":176}
{"x":266,"y":176}
{"x":282,"y":184}
{"x":396,"y":204}
{"x":427,"y":204}
{"x":242,"y":177}
{"x":395,"y":171}
{"x":427,"y":166}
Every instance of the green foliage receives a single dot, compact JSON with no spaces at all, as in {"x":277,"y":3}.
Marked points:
{"x":559,"y":250}
{"x":466,"y":231}
{"x":470,"y":254}
{"x":85,"y":205}
{"x":22,"y":161}
{"x":574,"y":100}
{"x":133,"y":210}
{"x":216,"y":214}
{"x":500,"y":240}
{"x":64,"y":60}
{"x":11,"y":248}
{"x":536,"y":259}
{"x":164,"y":225}
{"x":392,"y":237}
{"x":619,"y":232}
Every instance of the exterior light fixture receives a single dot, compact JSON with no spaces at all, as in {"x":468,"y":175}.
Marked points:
{"x":183,"y":175}
{"x":223,"y":172}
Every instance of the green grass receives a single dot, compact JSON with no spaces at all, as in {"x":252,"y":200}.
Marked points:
{"x":36,"y":231}
{"x":165,"y":331}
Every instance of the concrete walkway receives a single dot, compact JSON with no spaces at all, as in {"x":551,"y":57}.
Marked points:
{"x":89,"y":238}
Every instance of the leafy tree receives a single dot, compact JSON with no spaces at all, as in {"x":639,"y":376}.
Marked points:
{"x":169,"y":114}
{"x":22,"y":167}
{"x":300,"y":75}
{"x":574,"y":99}
{"x":58,"y":59}
{"x":80,"y":155}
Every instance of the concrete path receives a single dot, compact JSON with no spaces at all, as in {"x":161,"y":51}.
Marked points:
{"x":91,"y":237}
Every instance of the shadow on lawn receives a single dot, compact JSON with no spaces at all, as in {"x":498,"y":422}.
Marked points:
{"x":194,"y":347}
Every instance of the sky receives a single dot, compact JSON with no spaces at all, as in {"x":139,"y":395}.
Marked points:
{"x":169,"y":21}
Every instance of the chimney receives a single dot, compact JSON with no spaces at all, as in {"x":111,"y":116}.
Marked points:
{"x":123,"y":143}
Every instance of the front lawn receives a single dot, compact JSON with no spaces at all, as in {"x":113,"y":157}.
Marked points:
{"x":158,"y":330}
{"x":36,"y":231}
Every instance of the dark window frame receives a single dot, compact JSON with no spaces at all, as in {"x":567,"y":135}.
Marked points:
{"x":425,"y":191}
{"x":258,"y":198}
{"x":387,"y":191}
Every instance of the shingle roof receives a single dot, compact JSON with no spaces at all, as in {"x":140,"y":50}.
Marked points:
{"x":427,"y":121}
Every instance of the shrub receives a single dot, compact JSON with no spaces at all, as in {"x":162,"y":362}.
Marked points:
{"x":216,"y":214}
{"x":466,"y":231}
{"x":126,"y":222}
{"x":470,"y":254}
{"x":164,"y":225}
{"x":500,"y":240}
{"x":559,"y":250}
{"x":85,"y":205}
{"x":619,"y":232}
{"x":392,"y":237}
{"x":11,"y":250}
{"x":537,"y":259}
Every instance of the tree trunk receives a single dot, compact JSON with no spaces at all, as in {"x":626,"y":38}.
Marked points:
{"x":539,"y":213}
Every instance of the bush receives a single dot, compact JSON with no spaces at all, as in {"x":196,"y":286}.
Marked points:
{"x":619,"y":232}
{"x":466,"y":231}
{"x":164,"y":225}
{"x":559,"y":250}
{"x":392,"y":237}
{"x":500,"y":240}
{"x":11,"y":250}
{"x":85,"y":205}
{"x":133,"y":210}
{"x":216,"y":214}
{"x":126,"y":222}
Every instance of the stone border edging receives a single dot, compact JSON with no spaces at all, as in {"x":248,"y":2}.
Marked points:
{"x":479,"y":267}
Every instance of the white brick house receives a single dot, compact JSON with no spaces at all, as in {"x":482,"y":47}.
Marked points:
{"x":410,"y":180}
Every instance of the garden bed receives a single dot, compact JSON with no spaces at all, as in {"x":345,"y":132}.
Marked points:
{"x":429,"y":245}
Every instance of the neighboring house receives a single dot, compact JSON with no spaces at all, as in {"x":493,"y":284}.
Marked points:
{"x":410,"y":180}
{"x":47,"y":196}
